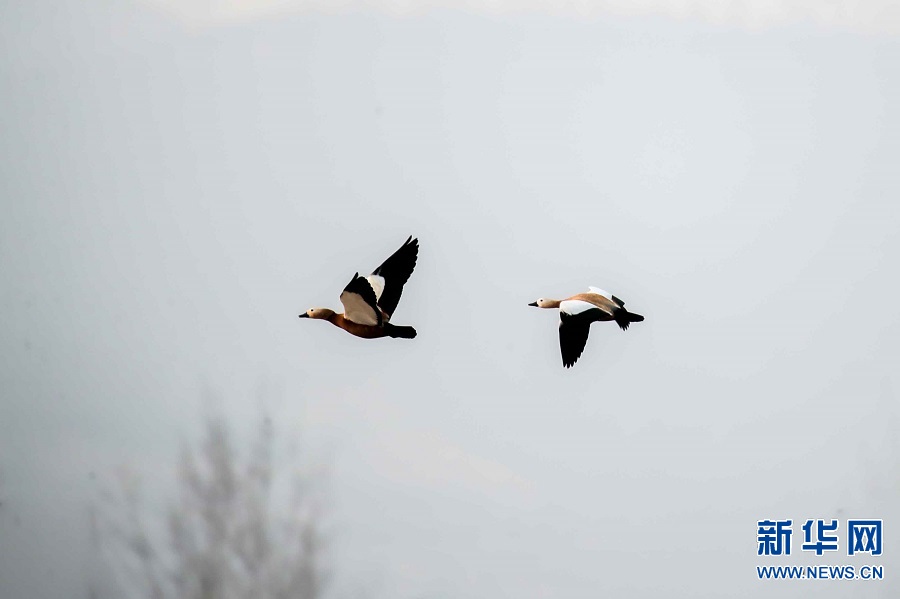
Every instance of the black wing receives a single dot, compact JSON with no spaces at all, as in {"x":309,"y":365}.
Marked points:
{"x":396,"y":271}
{"x":573,"y":334}
{"x":360,"y":303}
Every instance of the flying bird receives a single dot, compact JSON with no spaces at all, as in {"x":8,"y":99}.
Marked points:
{"x":369,"y":302}
{"x":576,"y":314}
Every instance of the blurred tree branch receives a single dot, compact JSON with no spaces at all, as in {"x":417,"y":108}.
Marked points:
{"x":233,"y":532}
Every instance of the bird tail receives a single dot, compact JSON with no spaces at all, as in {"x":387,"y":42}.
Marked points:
{"x":401,"y":332}
{"x":624,"y":318}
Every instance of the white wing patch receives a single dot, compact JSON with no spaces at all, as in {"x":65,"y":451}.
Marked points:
{"x":357,"y":310}
{"x":377,"y":283}
{"x":573,"y":307}
{"x":599,"y":291}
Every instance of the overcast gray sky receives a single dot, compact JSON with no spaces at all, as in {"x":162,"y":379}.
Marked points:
{"x":178,"y":184}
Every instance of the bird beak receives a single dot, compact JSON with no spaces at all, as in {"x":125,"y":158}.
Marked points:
{"x":304,"y":315}
{"x":533,"y":304}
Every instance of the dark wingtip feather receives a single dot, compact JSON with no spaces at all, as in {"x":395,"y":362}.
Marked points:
{"x":396,"y":271}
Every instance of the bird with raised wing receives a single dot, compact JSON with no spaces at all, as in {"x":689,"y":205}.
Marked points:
{"x":369,"y":302}
{"x":576,"y":314}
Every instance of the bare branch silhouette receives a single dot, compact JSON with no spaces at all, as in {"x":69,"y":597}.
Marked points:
{"x":235,"y":530}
